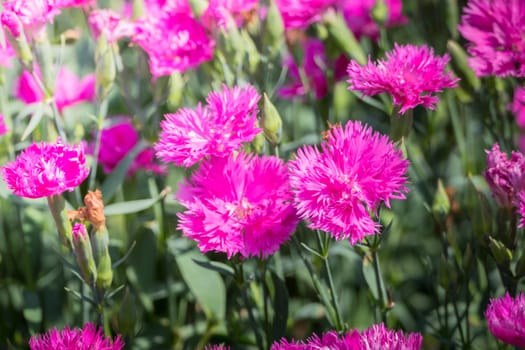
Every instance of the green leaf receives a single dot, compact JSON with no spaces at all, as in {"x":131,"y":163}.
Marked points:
{"x":129,"y":207}
{"x":34,"y":121}
{"x":219,"y":267}
{"x":280,"y":307}
{"x":370,"y":277}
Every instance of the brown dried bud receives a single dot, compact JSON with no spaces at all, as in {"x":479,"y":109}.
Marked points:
{"x":92,"y":212}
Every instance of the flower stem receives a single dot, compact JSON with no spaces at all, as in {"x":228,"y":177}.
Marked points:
{"x":101,"y":115}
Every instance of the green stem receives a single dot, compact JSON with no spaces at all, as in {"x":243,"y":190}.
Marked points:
{"x":380,"y":285}
{"x":101,"y":115}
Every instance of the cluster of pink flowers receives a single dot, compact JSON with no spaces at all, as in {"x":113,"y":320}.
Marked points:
{"x":506,"y":319}
{"x":299,"y":14}
{"x":46,"y":169}
{"x":496,"y":32}
{"x":336,"y":189}
{"x":228,"y":119}
{"x":87,"y":338}
{"x":220,"y":13}
{"x":378,"y":337}
{"x":110,"y":23}
{"x":411,"y":74}
{"x":240,"y":204}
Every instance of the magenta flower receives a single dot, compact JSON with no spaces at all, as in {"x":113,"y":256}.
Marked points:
{"x":329,"y":340}
{"x":378,"y":337}
{"x":3,"y":126}
{"x":220,"y":127}
{"x":111,"y":24}
{"x":504,"y":176}
{"x":240,"y":204}
{"x":519,"y":202}
{"x":217,"y":347}
{"x":46,"y":169}
{"x":336,"y":189}
{"x":299,"y":14}
{"x":357,"y":14}
{"x":496,"y":31}
{"x":33,"y":14}
{"x":411,"y":74}
{"x":174,"y":41}
{"x":506,"y":319}
{"x":75,"y":3}
{"x":87,"y":338}
{"x":69,"y":90}
{"x":220,"y":12}
{"x":314,"y":66}
{"x":117,"y":141}
{"x":518,"y":106}
{"x":7,"y":53}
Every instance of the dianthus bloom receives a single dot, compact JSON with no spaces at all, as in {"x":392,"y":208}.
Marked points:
{"x":314,"y":67}
{"x":336,"y":189}
{"x":496,"y":31}
{"x":69,"y":89}
{"x":87,"y":338}
{"x":376,"y":338}
{"x":220,"y":127}
{"x":240,"y":204}
{"x":217,"y":347}
{"x":33,"y":14}
{"x":411,"y":74}
{"x":75,"y":3}
{"x":506,"y":319}
{"x":299,"y":14}
{"x":117,"y":141}
{"x":518,"y":106}
{"x":220,"y":12}
{"x":358,"y":16}
{"x":174,"y":41}
{"x":505,"y":176}
{"x":111,"y":24}
{"x":46,"y":169}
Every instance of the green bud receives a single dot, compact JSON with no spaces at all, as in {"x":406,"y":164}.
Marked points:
{"x":100,"y":243}
{"x":271,"y":122}
{"x":441,"y":205}
{"x":258,"y":143}
{"x":380,"y":12}
{"x":57,"y":205}
{"x":501,"y":254}
{"x":84,"y":253}
{"x":274,"y":33}
{"x":105,"y":67}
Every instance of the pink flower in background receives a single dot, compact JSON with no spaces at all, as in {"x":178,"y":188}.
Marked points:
{"x":217,"y":347}
{"x":336,"y":189}
{"x":496,"y":31}
{"x":518,"y":106}
{"x":75,"y":3}
{"x":358,"y":16}
{"x":69,"y":90}
{"x":411,"y":74}
{"x":46,"y":169}
{"x":314,"y":66}
{"x":3,"y":127}
{"x":175,"y":42}
{"x":299,"y":14}
{"x":504,"y":176}
{"x":33,"y":14}
{"x":117,"y":141}
{"x":240,"y":204}
{"x":111,"y":24}
{"x":6,"y":54}
{"x":87,"y":338}
{"x":220,"y":127}
{"x":378,"y":337}
{"x":220,"y":12}
{"x":506,"y":319}
{"x":329,"y":340}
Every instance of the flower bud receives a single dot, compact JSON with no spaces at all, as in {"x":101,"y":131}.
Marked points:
{"x":380,"y":12}
{"x":16,"y":37}
{"x":105,"y":68}
{"x":271,"y":122}
{"x":100,"y":242}
{"x":502,"y":254}
{"x":84,"y":253}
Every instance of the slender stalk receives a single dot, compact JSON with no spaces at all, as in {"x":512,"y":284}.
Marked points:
{"x":101,"y":115}
{"x":380,"y":285}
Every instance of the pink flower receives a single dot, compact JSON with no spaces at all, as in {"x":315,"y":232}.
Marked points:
{"x":3,"y":127}
{"x":217,"y":347}
{"x":411,"y":74}
{"x":75,"y":3}
{"x":87,"y":338}
{"x":69,"y":90}
{"x":6,"y":54}
{"x":496,"y":31}
{"x":33,"y":14}
{"x":46,"y":169}
{"x":518,"y":106}
{"x":357,"y":14}
{"x":174,"y":41}
{"x":504,"y":176}
{"x":381,"y":338}
{"x":299,"y":14}
{"x":314,"y":66}
{"x":220,"y":12}
{"x":117,"y":141}
{"x":519,"y":202}
{"x":228,"y":120}
{"x":111,"y":24}
{"x":357,"y":170}
{"x":329,"y":340}
{"x":506,"y":319}
{"x":240,"y":204}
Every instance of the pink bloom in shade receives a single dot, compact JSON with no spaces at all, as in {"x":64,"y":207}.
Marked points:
{"x":87,"y":338}
{"x":46,"y":169}
{"x":69,"y":90}
{"x":336,"y":189}
{"x":299,"y":14}
{"x":240,"y":204}
{"x":378,"y":337}
{"x":496,"y":32}
{"x":111,"y":24}
{"x":505,"y":176}
{"x":32,"y":13}
{"x":174,"y":42}
{"x":314,"y":66}
{"x":117,"y":141}
{"x":220,"y":12}
{"x":411,"y":74}
{"x":358,"y":16}
{"x":518,"y":106}
{"x":228,"y":120}
{"x":506,"y":319}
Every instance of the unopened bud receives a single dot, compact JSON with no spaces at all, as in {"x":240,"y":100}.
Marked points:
{"x":501,"y":254}
{"x":105,"y":68}
{"x":84,"y":253}
{"x":271,"y":122}
{"x":380,"y":12}
{"x":100,"y":243}
{"x":16,"y":37}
